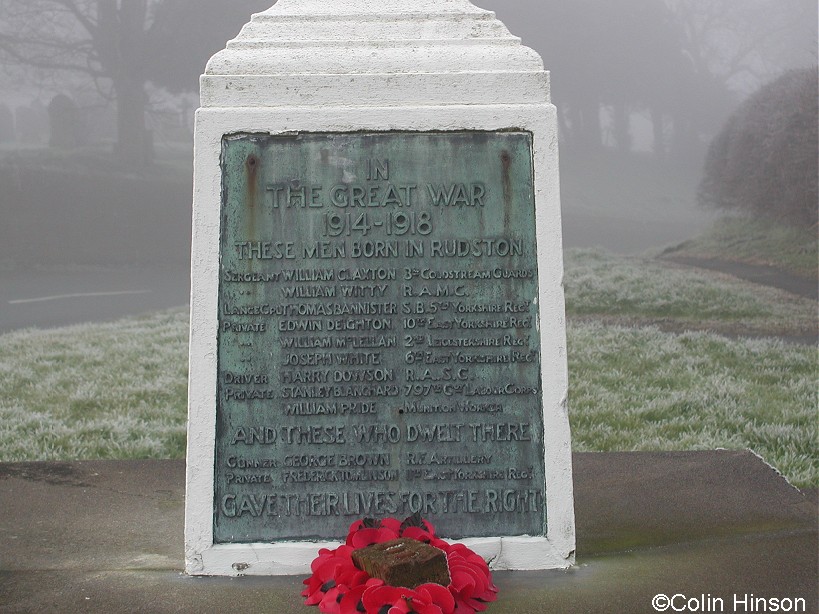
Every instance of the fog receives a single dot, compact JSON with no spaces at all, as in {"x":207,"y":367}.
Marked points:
{"x":642,"y":86}
{"x":96,"y":138}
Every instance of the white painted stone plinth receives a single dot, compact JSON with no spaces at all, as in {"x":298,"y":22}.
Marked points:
{"x":372,"y":65}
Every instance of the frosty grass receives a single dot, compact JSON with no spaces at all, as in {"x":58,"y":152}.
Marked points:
{"x":118,"y":390}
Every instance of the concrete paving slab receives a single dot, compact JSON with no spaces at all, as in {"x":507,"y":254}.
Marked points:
{"x":106,"y":536}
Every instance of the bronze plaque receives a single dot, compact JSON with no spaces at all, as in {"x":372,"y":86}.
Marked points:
{"x":378,"y":344}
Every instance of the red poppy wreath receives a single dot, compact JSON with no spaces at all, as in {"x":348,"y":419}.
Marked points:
{"x":339,"y":586}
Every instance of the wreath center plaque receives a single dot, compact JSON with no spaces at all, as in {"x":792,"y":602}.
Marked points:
{"x":378,"y":344}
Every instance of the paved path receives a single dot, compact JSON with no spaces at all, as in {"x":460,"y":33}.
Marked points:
{"x":49,"y":298}
{"x":106,"y":536}
{"x":755,"y":273}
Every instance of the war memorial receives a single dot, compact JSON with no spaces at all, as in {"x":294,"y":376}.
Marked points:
{"x":378,"y":331}
{"x":377,"y":312}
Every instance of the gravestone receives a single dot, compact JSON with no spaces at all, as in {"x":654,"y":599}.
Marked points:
{"x":6,"y":124}
{"x":64,"y":123}
{"x":377,"y":319}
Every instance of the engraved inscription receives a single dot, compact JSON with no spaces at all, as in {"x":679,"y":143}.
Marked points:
{"x":378,"y":339}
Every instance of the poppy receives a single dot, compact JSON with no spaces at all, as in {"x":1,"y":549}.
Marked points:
{"x":352,"y":602}
{"x":337,"y":586}
{"x":398,"y":600}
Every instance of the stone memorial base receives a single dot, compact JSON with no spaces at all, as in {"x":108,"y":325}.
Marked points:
{"x":106,"y":536}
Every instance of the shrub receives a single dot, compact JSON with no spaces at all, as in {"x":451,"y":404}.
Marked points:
{"x":764,"y":161}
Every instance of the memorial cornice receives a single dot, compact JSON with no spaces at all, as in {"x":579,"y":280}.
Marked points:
{"x":363,"y":52}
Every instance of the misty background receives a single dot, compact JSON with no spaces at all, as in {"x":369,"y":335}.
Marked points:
{"x":96,"y":118}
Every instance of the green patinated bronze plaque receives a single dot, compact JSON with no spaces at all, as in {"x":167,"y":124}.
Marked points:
{"x":378,"y":345}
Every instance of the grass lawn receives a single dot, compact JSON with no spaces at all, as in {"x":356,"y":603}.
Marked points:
{"x":755,"y":241}
{"x":113,"y":390}
{"x":637,"y":291}
{"x":118,"y":390}
{"x":643,"y":389}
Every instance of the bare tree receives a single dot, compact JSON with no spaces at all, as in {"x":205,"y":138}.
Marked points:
{"x":744,"y":43}
{"x":121,"y":45}
{"x":731,"y":48}
{"x":103,"y":39}
{"x":624,"y":56}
